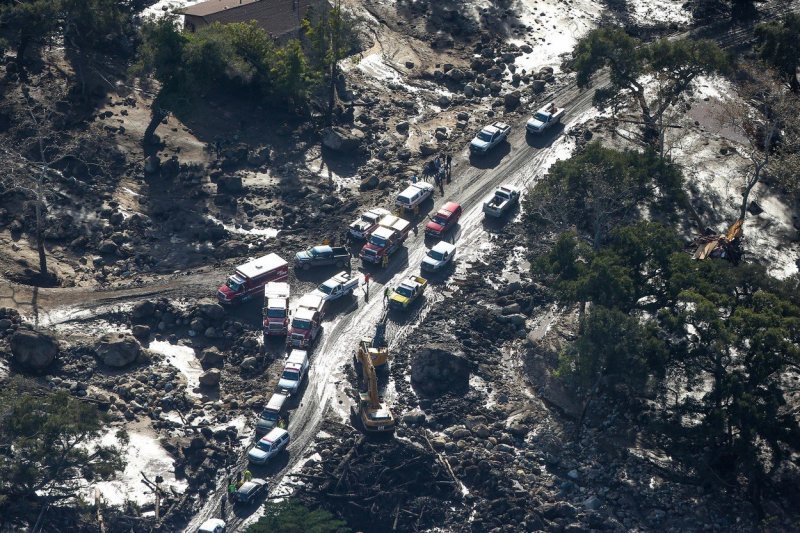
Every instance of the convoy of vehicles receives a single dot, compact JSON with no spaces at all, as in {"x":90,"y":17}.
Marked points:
{"x":503,"y":199}
{"x":374,"y":413}
{"x":367,"y":222}
{"x":439,"y":256}
{"x":405,"y":294}
{"x":306,"y":322}
{"x":547,"y":116}
{"x":444,"y":220}
{"x":489,"y":137}
{"x":276,"y":308}
{"x":276,"y":408}
{"x":336,"y":287}
{"x":414,"y":194}
{"x":249,"y":279}
{"x":322,"y":255}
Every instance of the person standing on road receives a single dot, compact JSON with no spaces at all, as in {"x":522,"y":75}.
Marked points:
{"x":449,"y":165}
{"x":441,"y":184}
{"x":386,"y":296}
{"x":385,"y":261}
{"x":248,"y":475}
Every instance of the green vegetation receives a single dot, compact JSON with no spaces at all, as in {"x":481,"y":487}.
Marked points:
{"x":291,"y":517}
{"x":673,"y":65}
{"x":778,"y":43}
{"x":49,"y":447}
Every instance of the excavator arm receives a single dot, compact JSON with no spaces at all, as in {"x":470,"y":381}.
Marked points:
{"x":369,"y":376}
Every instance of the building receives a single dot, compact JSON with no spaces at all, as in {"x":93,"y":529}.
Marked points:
{"x":279,"y":18}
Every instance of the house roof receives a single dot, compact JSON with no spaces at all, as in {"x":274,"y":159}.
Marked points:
{"x":215,"y":6}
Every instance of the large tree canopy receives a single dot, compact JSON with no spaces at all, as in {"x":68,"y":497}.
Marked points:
{"x":779,"y":45}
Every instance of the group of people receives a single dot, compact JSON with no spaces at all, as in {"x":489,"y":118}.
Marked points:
{"x":440,"y":169}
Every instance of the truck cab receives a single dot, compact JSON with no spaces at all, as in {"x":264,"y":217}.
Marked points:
{"x":249,"y":279}
{"x":382,"y":242}
{"x":306,"y":322}
{"x":445,"y":218}
{"x":367,"y":222}
{"x":336,"y":287}
{"x":276,"y":308}
{"x":294,"y":371}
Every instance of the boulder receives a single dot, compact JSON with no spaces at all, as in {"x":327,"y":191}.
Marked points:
{"x":435,"y":371}
{"x":428,"y":148}
{"x":342,"y":140}
{"x":141,"y":331}
{"x":512,"y":99}
{"x":455,"y":74}
{"x":402,"y":127}
{"x":537,"y":86}
{"x":118,"y":349}
{"x":213,"y":311}
{"x":143,"y":309}
{"x":211,"y":357}
{"x":414,"y":417}
{"x":443,"y":101}
{"x":33,"y":349}
{"x":211,"y":378}
{"x":249,"y":364}
{"x":230,"y":184}
{"x":107,"y":247}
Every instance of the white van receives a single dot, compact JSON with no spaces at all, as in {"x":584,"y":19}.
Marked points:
{"x":294,"y":370}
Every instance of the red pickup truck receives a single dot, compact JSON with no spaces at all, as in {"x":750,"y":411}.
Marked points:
{"x":445,"y":218}
{"x":249,"y":279}
{"x":306,"y":322}
{"x":276,"y":308}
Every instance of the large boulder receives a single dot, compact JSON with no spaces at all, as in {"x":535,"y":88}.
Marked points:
{"x":33,"y":349}
{"x":143,"y":310}
{"x":435,"y":371}
{"x":342,"y":140}
{"x":118,"y":349}
{"x":213,"y":311}
{"x":211,"y":378}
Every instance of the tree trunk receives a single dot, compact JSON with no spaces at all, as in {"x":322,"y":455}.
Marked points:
{"x":40,"y":233}
{"x":332,"y":94}
{"x":22,"y":47}
{"x":156,"y":116}
{"x":746,"y":194}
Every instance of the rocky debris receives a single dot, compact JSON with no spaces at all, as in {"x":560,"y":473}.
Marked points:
{"x":33,"y":349}
{"x":435,"y":371}
{"x":118,"y":350}
{"x":342,"y":140}
{"x":211,"y":378}
{"x":211,"y":357}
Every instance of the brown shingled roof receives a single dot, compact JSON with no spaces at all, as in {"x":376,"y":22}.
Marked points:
{"x":214,"y":6}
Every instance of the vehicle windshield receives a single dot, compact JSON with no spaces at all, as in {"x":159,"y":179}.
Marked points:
{"x":404,"y":291}
{"x":403,"y":200}
{"x":300,"y":323}
{"x":377,"y":241}
{"x":369,"y":219}
{"x":325,"y":288}
{"x":269,"y":415}
{"x":433,"y":254}
{"x":291,"y":375}
{"x":485,"y":136}
{"x":312,"y":252}
{"x":541,"y":117}
{"x":276,"y":313}
{"x":232,"y":285}
{"x":439,"y":219}
{"x":369,"y":252}
{"x":264,"y":446}
{"x":502,"y":195}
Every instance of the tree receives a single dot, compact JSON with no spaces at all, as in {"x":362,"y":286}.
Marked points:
{"x":291,"y":517}
{"x":331,"y":38}
{"x":767,"y":116}
{"x":26,"y":24}
{"x":51,"y":446}
{"x":672,"y":64}
{"x":778,"y":43}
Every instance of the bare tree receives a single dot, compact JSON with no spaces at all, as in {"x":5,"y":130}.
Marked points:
{"x":768,"y":116}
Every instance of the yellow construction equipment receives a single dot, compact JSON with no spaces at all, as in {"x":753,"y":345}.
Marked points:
{"x":377,"y":347}
{"x":376,"y":417}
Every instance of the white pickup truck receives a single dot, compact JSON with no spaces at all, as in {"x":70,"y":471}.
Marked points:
{"x":501,"y":201}
{"x":367,"y":222}
{"x":414,"y":194}
{"x":336,"y":287}
{"x":547,"y":116}
{"x":489,"y":137}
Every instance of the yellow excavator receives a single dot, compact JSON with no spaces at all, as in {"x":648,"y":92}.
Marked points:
{"x":376,"y":347}
{"x":376,"y":417}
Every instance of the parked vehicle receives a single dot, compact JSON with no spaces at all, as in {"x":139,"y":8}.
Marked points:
{"x":400,"y":225}
{"x":367,"y":222}
{"x":212,"y":525}
{"x":306,"y":322}
{"x":414,"y":194}
{"x":439,"y":256}
{"x":489,"y":137}
{"x":336,"y":287}
{"x":503,"y":199}
{"x":294,"y":371}
{"x":276,"y":308}
{"x":383,"y":242}
{"x":547,"y":116}
{"x":405,"y":294}
{"x":269,"y":446}
{"x":277,"y":407}
{"x":322,"y":255}
{"x":445,"y":218}
{"x":249,"y":279}
{"x":375,"y":414}
{"x":250,"y":491}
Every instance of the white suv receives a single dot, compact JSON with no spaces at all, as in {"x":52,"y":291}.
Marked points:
{"x":269,"y":446}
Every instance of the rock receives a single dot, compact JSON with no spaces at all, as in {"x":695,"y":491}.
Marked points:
{"x":152,"y":164}
{"x":213,"y":311}
{"x":511,"y":99}
{"x":33,"y":349}
{"x":141,"y":331}
{"x":107,"y":247}
{"x":463,"y":115}
{"x":211,"y":357}
{"x":510,"y":309}
{"x":342,"y":140}
{"x":409,"y":64}
{"x":526,"y":48}
{"x":402,"y":127}
{"x":573,"y":475}
{"x":441,"y":135}
{"x":435,"y":371}
{"x":118,"y":349}
{"x":518,"y":429}
{"x":516,"y":319}
{"x":443,"y":101}
{"x":414,"y":417}
{"x":593,"y":503}
{"x":143,"y":309}
{"x":249,"y":364}
{"x":474,"y":421}
{"x":557,"y":510}
{"x":754,"y":209}
{"x":230,"y":184}
{"x":211,"y":378}
{"x":481,"y":431}
{"x":537,"y":86}
{"x":469,"y":90}
{"x":461,"y":433}
{"x":428,"y":148}
{"x":455,"y":74}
